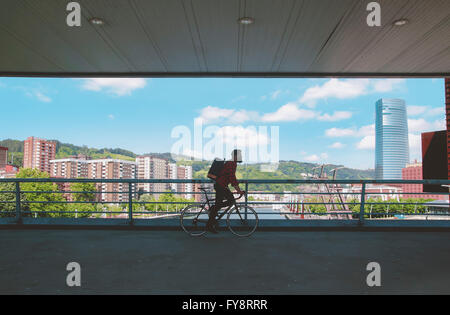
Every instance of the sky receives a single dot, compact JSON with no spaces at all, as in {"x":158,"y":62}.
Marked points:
{"x":318,"y":120}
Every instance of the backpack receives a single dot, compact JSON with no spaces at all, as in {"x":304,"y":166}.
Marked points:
{"x":216,"y":168}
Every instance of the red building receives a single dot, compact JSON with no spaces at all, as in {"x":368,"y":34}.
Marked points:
{"x":447,"y":113}
{"x":436,"y":150}
{"x":9,"y":171}
{"x":411,"y":172}
{"x":37,"y":153}
{"x":3,"y":157}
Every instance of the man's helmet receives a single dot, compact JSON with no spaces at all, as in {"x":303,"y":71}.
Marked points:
{"x":236,"y":155}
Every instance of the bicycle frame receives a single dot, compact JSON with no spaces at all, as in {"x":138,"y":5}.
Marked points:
{"x":222,"y":213}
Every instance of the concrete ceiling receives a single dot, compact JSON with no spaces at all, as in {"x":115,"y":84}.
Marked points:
{"x":202,"y":38}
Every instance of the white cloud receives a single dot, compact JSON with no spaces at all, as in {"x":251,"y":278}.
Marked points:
{"x":337,"y":145}
{"x":415,"y":141}
{"x":111,"y":116}
{"x":414,"y":110}
{"x":116,"y":86}
{"x":239,"y":136}
{"x":339,"y":132}
{"x":211,"y":114}
{"x":337,"y":115}
{"x":415,"y":146}
{"x":312,"y":158}
{"x":275,"y":94}
{"x":316,"y":158}
{"x":43,"y":98}
{"x":421,"y":125}
{"x":289,"y":112}
{"x":348,"y":89}
{"x":367,"y":130}
{"x":35,"y":93}
{"x":386,"y":85}
{"x":366,"y":143}
{"x":335,"y":88}
{"x":350,"y":132}
{"x":436,"y":111}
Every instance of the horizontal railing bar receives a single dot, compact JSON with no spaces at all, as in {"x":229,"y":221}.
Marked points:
{"x":191,"y":203}
{"x":211,"y":193}
{"x":400,"y":213}
{"x":249,"y":181}
{"x":259,"y":213}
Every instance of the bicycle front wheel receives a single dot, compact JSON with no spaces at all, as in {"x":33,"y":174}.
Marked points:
{"x":242,"y":221}
{"x":193,"y":220}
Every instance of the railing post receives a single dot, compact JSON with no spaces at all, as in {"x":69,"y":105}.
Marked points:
{"x":18,"y":205}
{"x":130,"y":203}
{"x":246,"y":199}
{"x":363,"y":201}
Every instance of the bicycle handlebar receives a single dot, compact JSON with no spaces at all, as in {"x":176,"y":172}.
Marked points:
{"x":240,"y":194}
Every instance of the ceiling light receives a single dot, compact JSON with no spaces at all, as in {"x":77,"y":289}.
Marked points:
{"x":96,"y":21}
{"x":400,"y":22}
{"x":246,"y":20}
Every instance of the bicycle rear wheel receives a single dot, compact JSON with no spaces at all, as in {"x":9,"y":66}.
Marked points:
{"x":242,"y":221}
{"x":193,"y":220}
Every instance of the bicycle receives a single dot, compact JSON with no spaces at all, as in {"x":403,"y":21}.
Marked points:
{"x":241,"y":221}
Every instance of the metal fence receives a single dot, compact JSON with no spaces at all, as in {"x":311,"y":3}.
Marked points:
{"x":29,"y":200}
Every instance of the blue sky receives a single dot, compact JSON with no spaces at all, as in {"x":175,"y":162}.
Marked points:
{"x":319,"y":120}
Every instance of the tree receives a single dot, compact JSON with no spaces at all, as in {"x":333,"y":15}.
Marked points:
{"x":87,"y":189}
{"x":7,"y":209}
{"x":40,"y":192}
{"x":87,"y":195}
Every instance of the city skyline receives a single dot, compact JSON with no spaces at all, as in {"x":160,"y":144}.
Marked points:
{"x":320,"y":120}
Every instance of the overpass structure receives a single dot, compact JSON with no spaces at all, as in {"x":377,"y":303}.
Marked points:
{"x":222,"y":38}
{"x":231,"y":38}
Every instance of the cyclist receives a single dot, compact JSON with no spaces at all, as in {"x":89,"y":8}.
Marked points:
{"x":224,"y":197}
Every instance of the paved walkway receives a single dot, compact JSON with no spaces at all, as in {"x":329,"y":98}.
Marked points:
{"x":170,"y":262}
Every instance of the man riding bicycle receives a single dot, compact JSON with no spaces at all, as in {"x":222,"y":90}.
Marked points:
{"x":224,"y":197}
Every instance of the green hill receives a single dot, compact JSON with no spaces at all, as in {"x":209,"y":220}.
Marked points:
{"x":64,"y":150}
{"x":285,"y":170}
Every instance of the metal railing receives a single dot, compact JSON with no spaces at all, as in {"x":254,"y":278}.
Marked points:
{"x":342,"y":200}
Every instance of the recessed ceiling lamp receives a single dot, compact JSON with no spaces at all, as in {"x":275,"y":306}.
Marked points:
{"x":400,"y":22}
{"x":96,"y":21}
{"x":246,"y":20}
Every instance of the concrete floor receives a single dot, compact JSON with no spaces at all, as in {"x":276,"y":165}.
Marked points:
{"x":171,"y":262}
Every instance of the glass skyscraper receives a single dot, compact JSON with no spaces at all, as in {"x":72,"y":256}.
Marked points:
{"x":391,"y":138}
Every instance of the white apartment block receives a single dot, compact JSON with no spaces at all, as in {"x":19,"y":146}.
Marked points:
{"x":98,"y":169}
{"x":173,"y":174}
{"x":185,"y":172}
{"x":152,"y":167}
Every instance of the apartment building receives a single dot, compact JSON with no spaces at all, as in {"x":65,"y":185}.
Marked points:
{"x":112,"y":169}
{"x":152,"y":167}
{"x":185,"y":172}
{"x":69,"y":168}
{"x":173,"y":174}
{"x":3,"y":157}
{"x":98,"y":169}
{"x":37,"y":154}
